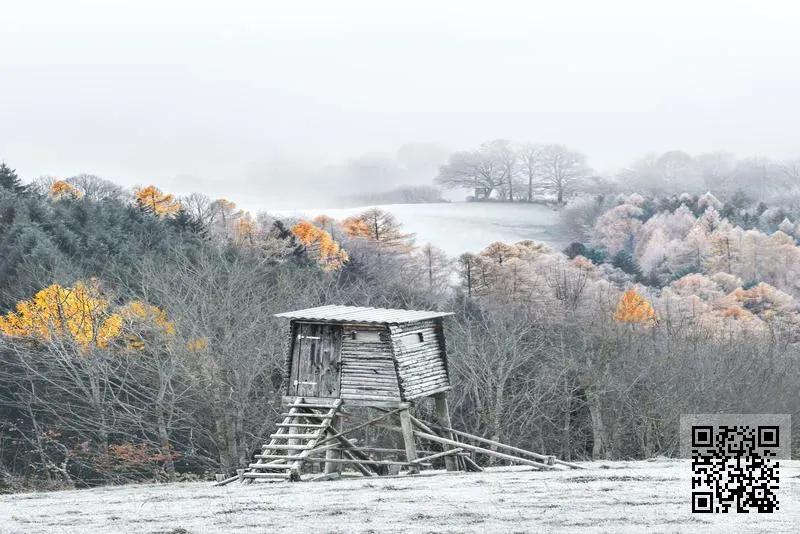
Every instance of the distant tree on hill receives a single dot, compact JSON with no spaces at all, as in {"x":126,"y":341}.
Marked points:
{"x":152,"y":199}
{"x":380,"y":227}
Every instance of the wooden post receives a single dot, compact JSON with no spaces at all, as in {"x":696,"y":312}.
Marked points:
{"x":408,"y":438}
{"x":443,"y":418}
{"x":334,"y":453}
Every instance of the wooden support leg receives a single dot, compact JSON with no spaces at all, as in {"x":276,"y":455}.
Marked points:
{"x":408,"y":438}
{"x":334,"y":454}
{"x":443,"y":418}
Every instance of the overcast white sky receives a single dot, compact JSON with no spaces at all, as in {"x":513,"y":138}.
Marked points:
{"x":198,"y":92}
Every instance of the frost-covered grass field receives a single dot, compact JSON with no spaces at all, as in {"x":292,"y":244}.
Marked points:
{"x":460,"y":227}
{"x":644,"y":496}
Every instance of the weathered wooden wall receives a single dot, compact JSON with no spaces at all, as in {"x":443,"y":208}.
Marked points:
{"x":421,"y":366}
{"x":368,"y":371}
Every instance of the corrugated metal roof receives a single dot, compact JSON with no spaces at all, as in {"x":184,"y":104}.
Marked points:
{"x":356,"y":314}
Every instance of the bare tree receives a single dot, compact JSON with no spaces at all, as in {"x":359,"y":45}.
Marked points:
{"x":562,"y":169}
{"x":96,"y":188}
{"x":474,"y":169}
{"x":530,"y":156}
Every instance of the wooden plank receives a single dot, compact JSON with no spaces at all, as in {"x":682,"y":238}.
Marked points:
{"x":447,"y":454}
{"x":516,"y":459}
{"x":284,"y":457}
{"x":326,"y":476}
{"x":408,"y":439}
{"x":308,"y":414}
{"x":270,"y":466}
{"x":310,"y":405}
{"x":443,"y":417}
{"x":331,"y":452}
{"x":424,"y":381}
{"x":291,"y":436}
{"x":375,"y":394}
{"x":228,"y":480}
{"x":269,"y":476}
{"x":370,"y":395}
{"x":289,"y":447}
{"x":427,"y":393}
{"x":411,"y":466}
{"x":301,"y":425}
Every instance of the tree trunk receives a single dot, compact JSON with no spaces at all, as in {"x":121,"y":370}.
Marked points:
{"x":566,"y":445}
{"x":599,"y":436}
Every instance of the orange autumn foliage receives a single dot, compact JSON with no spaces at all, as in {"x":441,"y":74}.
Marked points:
{"x":153,"y":199}
{"x":328,"y":253}
{"x":63,"y":190}
{"x":355,"y":227}
{"x":633,"y":308}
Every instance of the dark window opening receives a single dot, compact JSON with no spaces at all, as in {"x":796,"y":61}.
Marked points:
{"x":419,"y":336}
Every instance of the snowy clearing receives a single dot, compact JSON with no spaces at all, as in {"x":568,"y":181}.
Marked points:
{"x":460,"y":227}
{"x":650,"y":496}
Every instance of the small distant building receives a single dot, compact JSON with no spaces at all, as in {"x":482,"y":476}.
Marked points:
{"x":482,"y":193}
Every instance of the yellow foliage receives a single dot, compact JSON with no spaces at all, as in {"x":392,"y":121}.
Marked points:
{"x":633,"y":308}
{"x":137,"y":310}
{"x":151,"y":197}
{"x":327,"y":251}
{"x":245,"y":230}
{"x":225,"y":204}
{"x":82,"y":315}
{"x":198,"y":344}
{"x":62,"y":189}
{"x":78,"y":313}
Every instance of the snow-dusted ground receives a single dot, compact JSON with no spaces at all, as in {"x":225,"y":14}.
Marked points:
{"x":460,"y":227}
{"x":645,"y":496}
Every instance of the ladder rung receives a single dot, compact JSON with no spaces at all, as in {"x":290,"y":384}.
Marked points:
{"x":293,"y":436}
{"x":299,"y":415}
{"x":273,"y":476}
{"x":275,"y":457}
{"x":269,"y":466}
{"x":301,"y":425}
{"x":279,"y":447}
{"x":302,"y":405}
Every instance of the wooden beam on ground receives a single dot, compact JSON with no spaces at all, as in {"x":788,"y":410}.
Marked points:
{"x":470,"y":464}
{"x":446,"y":453}
{"x":227,"y":480}
{"x":496,"y":454}
{"x":497,"y":444}
{"x":361,"y":467}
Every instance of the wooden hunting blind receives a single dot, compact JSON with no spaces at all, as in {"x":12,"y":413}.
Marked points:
{"x":384,"y":359}
{"x":366,"y":356}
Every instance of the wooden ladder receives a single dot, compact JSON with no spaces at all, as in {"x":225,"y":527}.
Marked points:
{"x":303,"y":426}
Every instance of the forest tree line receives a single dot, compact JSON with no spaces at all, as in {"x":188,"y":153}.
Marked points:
{"x":527,"y":172}
{"x":137,"y":337}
